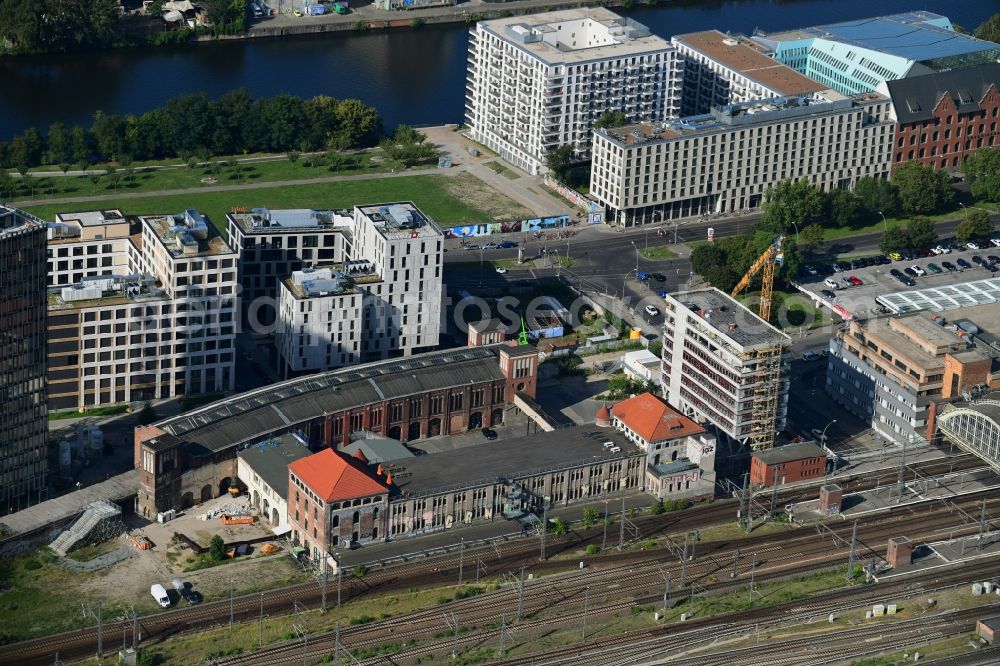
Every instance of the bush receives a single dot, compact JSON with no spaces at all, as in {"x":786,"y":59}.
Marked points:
{"x":593,"y":549}
{"x":590,"y":516}
{"x":657,"y":508}
{"x":217,"y":549}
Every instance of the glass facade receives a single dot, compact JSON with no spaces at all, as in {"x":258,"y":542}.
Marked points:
{"x":23,"y":388}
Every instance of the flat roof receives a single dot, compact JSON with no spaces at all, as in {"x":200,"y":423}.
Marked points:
{"x":377,"y":449}
{"x":540,"y":35}
{"x":169,"y":226}
{"x":15,"y":220}
{"x":400,"y":219}
{"x":298,"y":220}
{"x":93,"y":218}
{"x":508,"y":460}
{"x":948,"y":297}
{"x":730,"y":318}
{"x":744,"y":56}
{"x":789,"y":453}
{"x":278,"y":407}
{"x":270,"y":458}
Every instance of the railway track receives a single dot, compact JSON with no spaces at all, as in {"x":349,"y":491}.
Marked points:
{"x":431,"y":572}
{"x":793,"y":557}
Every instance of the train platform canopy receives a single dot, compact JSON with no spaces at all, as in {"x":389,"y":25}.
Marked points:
{"x":963,"y":294}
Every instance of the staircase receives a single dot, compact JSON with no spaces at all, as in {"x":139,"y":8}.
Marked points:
{"x":95,"y":515}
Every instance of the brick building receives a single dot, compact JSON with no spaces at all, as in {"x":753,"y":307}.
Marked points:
{"x":787,"y":464}
{"x":334,"y":502}
{"x":943,"y":117}
{"x":192,"y":457}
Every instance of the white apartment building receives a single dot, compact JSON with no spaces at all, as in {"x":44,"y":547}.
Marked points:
{"x":403,"y":309}
{"x":538,"y":82}
{"x":88,"y":244}
{"x":726,"y":160}
{"x":721,"y":69}
{"x":724,"y":364}
{"x":273,"y":244}
{"x":320,"y":323}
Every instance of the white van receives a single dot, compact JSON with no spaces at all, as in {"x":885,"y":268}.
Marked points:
{"x":160,"y":595}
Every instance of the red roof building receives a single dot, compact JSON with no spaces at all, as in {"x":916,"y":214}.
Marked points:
{"x":648,"y":420}
{"x":334,"y":502}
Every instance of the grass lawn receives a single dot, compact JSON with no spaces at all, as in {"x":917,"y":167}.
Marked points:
{"x":875,"y":227}
{"x":430,"y":193}
{"x":97,"y":411}
{"x":505,"y":171}
{"x":657,"y":252}
{"x":184,"y":177}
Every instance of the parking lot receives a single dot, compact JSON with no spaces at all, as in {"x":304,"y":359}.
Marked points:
{"x":954,"y":267}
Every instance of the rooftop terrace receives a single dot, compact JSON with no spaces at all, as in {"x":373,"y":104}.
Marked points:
{"x":14,"y":220}
{"x":104,"y":290}
{"x":730,"y":318}
{"x":576,"y":35}
{"x":186,"y":234}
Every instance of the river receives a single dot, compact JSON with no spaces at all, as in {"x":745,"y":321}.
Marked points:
{"x":412,"y":76}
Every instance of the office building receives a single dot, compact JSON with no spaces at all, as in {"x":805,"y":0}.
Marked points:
{"x":725,"y":365}
{"x":942,"y":117}
{"x":721,"y":69}
{"x":889,"y":371}
{"x":89,"y":244}
{"x":856,"y":56}
{"x":23,"y":391}
{"x":539,"y":82}
{"x":726,"y":160}
{"x":192,"y":457}
{"x":273,"y":244}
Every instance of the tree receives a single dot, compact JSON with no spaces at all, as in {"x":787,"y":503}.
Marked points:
{"x":922,"y":232}
{"x":841,"y":208}
{"x":559,"y":161}
{"x":559,"y":526}
{"x":6,"y":183}
{"x":722,"y":277}
{"x":811,"y":238}
{"x":894,"y":239}
{"x":611,"y":119}
{"x":228,"y":17}
{"x":293,"y":156}
{"x":876,"y":195}
{"x":974,"y":225}
{"x":58,"y":25}
{"x":79,"y":144}
{"x":358,"y":125}
{"x":217,"y":549}
{"x":590,"y":516}
{"x":58,"y":144}
{"x":705,"y":257}
{"x":989,"y":29}
{"x":95,"y":178}
{"x":789,"y":204}
{"x":922,"y":190}
{"x":982,"y":171}
{"x":657,"y":508}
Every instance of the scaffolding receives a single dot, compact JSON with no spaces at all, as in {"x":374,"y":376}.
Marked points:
{"x":766,"y":373}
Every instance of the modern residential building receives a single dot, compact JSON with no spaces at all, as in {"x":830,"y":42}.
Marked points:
{"x":726,"y":160}
{"x":890,"y":371}
{"x":139,"y":311}
{"x":89,"y":244}
{"x":334,"y":502}
{"x":263,"y":469}
{"x":721,"y":69}
{"x":942,"y":117}
{"x":787,"y":464}
{"x":192,"y":457}
{"x":541,"y":81}
{"x":273,"y":244}
{"x":856,"y":56}
{"x":725,"y":365}
{"x":23,"y":392}
{"x":974,"y":426}
{"x":403,"y":309}
{"x":680,"y":454}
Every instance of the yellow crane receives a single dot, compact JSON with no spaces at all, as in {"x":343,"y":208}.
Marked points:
{"x":766,"y":262}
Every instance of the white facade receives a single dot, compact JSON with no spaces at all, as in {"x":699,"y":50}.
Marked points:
{"x":724,"y":364}
{"x":538,"y":82}
{"x":641,"y":364}
{"x":725,"y":161}
{"x":320,"y":325}
{"x":89,"y":244}
{"x":403,"y":310}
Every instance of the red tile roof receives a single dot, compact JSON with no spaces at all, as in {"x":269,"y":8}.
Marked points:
{"x":653,"y":419}
{"x":333,"y":477}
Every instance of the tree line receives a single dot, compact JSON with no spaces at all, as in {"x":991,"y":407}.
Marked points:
{"x":193,"y":125}
{"x":53,"y":26}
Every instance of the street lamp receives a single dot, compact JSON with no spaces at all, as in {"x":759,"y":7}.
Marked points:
{"x":636,"y":256}
{"x":822,"y":437}
{"x":796,"y":234}
{"x":624,"y":280}
{"x":885,"y":225}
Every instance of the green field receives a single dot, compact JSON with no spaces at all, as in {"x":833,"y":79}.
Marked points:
{"x":431,"y":193}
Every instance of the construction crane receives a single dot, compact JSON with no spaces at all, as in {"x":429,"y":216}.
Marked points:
{"x":772,"y":257}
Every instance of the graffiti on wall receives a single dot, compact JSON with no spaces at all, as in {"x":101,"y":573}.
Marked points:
{"x":517,"y":226}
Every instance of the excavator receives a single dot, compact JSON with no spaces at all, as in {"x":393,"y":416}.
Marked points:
{"x":772,"y":257}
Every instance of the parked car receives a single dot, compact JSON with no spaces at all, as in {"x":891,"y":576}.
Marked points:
{"x":948,"y":266}
{"x":160,"y":594}
{"x":652,"y":311}
{"x":962,"y":263}
{"x":837,"y":268}
{"x":829,"y":294}
{"x":941,"y":249}
{"x":810,"y":356}
{"x":882,"y":260}
{"x":909,"y":271}
{"x":642,"y":276}
{"x":659,"y":277}
{"x":490,"y":434}
{"x":922,"y":252}
{"x":185,"y":591}
{"x":855,"y":280}
{"x":995,"y":242}
{"x":973,"y":245}
{"x":976,"y":259}
{"x":809,"y":269}
{"x":895,"y":256}
{"x":501,"y":270}
{"x":831,"y":283}
{"x":993,"y":258}
{"x":934,"y":268}
{"x":918,"y":270}
{"x":847,"y":281}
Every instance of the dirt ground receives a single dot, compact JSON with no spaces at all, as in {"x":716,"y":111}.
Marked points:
{"x":482,"y":196}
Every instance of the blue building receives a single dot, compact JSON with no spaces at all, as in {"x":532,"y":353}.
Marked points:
{"x":856,"y":56}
